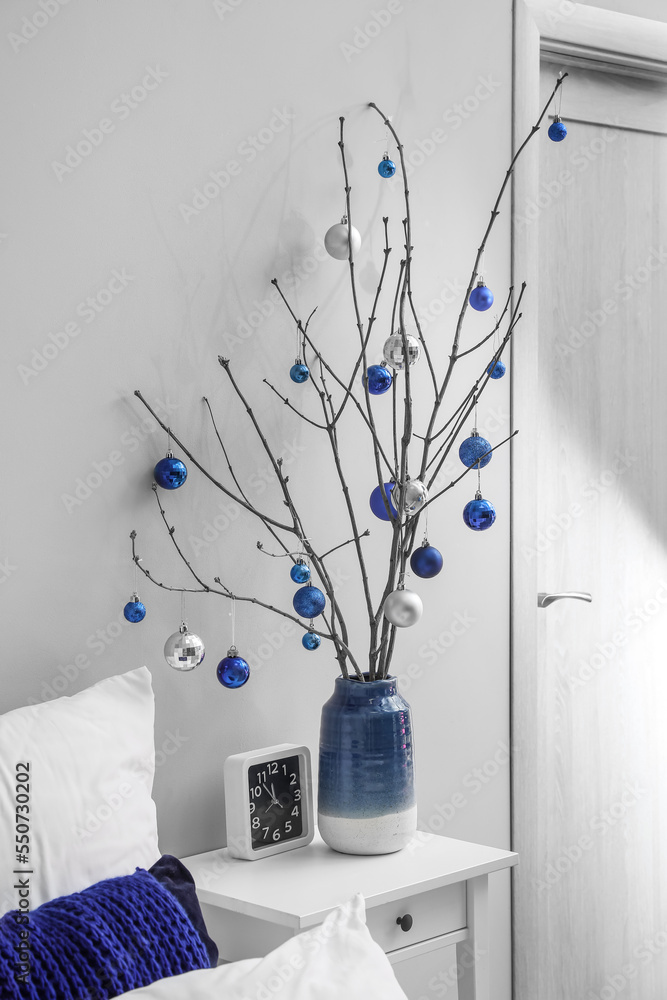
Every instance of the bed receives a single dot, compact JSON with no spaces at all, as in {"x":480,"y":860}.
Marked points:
{"x":90,"y":909}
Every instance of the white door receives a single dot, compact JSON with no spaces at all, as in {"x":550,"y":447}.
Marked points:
{"x":590,"y":515}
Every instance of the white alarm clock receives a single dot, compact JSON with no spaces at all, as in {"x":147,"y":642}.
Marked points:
{"x":268,"y":801}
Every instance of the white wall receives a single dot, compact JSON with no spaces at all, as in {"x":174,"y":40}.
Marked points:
{"x":652,"y":9}
{"x":223,"y":72}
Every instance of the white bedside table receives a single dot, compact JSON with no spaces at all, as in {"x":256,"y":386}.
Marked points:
{"x":251,"y":907}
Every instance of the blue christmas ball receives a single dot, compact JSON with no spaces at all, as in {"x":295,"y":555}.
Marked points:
{"x":479,"y":514}
{"x":481,"y":298}
{"x":309,"y":601}
{"x":134,"y":610}
{"x":386,"y":167}
{"x":557,"y":131}
{"x":311,"y":640}
{"x":472,"y":449}
{"x":426,"y":561}
{"x":377,"y":503}
{"x":497,"y":370}
{"x":170,"y":472}
{"x":379,"y":379}
{"x":233,"y":671}
{"x":299,"y":372}
{"x":300,"y":572}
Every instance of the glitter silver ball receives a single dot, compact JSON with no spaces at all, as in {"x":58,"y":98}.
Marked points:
{"x":184,"y":650}
{"x":393,"y":351}
{"x":414,"y":498}
{"x":335,"y":241}
{"x":403,"y":608}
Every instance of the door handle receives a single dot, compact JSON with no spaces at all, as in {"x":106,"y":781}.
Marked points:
{"x":544,"y":600}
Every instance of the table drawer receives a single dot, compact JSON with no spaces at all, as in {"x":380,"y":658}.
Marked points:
{"x":434,"y":912}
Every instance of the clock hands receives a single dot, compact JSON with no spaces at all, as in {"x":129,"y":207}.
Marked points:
{"x":274,"y":800}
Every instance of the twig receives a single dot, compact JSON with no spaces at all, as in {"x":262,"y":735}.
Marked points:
{"x":268,"y":527}
{"x":226,"y":592}
{"x":293,"y":408}
{"x":360,"y":328}
{"x":462,"y":354}
{"x":482,"y":383}
{"x":480,"y":251}
{"x":466,"y":471}
{"x":371,"y":318}
{"x":363,"y":534}
{"x":195,"y":462}
{"x":348,"y":391}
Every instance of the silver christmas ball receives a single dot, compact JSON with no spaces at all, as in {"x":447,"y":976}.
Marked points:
{"x":184,"y":650}
{"x":393,"y":351}
{"x":403,"y":608}
{"x":414,"y":498}
{"x":335,"y":240}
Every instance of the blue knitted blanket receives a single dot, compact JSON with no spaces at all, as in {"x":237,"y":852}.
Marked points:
{"x":115,"y":936}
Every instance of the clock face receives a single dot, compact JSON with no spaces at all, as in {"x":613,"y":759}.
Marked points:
{"x":275,"y":801}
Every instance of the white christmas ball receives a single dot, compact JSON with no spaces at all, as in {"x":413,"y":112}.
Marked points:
{"x":335,"y":240}
{"x":416,"y":495}
{"x":403,"y":608}
{"x":393,"y":351}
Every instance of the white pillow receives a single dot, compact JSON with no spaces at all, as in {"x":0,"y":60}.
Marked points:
{"x":335,"y":960}
{"x":91,"y":765}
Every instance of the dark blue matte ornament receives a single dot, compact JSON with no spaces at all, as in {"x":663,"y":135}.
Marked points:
{"x":426,"y":561}
{"x":311,"y":640}
{"x":299,"y":572}
{"x":377,"y":503}
{"x":386,"y":167}
{"x":134,"y":610}
{"x":379,"y":379}
{"x":299,"y":372}
{"x":309,"y":601}
{"x":557,"y":130}
{"x":233,"y":671}
{"x":481,"y":297}
{"x":472,"y":449}
{"x":479,"y":514}
{"x":170,"y":472}
{"x":497,"y":370}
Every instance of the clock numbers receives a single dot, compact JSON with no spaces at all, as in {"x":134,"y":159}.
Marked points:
{"x":274,"y":794}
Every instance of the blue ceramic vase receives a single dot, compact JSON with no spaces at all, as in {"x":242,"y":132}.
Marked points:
{"x":366,"y":796}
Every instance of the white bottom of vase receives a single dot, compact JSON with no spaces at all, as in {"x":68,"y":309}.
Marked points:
{"x":376,"y":835}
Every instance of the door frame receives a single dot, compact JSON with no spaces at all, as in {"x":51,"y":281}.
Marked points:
{"x":592,"y":38}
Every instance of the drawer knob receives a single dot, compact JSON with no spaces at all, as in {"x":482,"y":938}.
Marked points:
{"x":405,"y":922}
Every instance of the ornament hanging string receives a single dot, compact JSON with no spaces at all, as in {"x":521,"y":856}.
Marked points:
{"x":233,"y":617}
{"x":183,"y":608}
{"x":385,"y":139}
